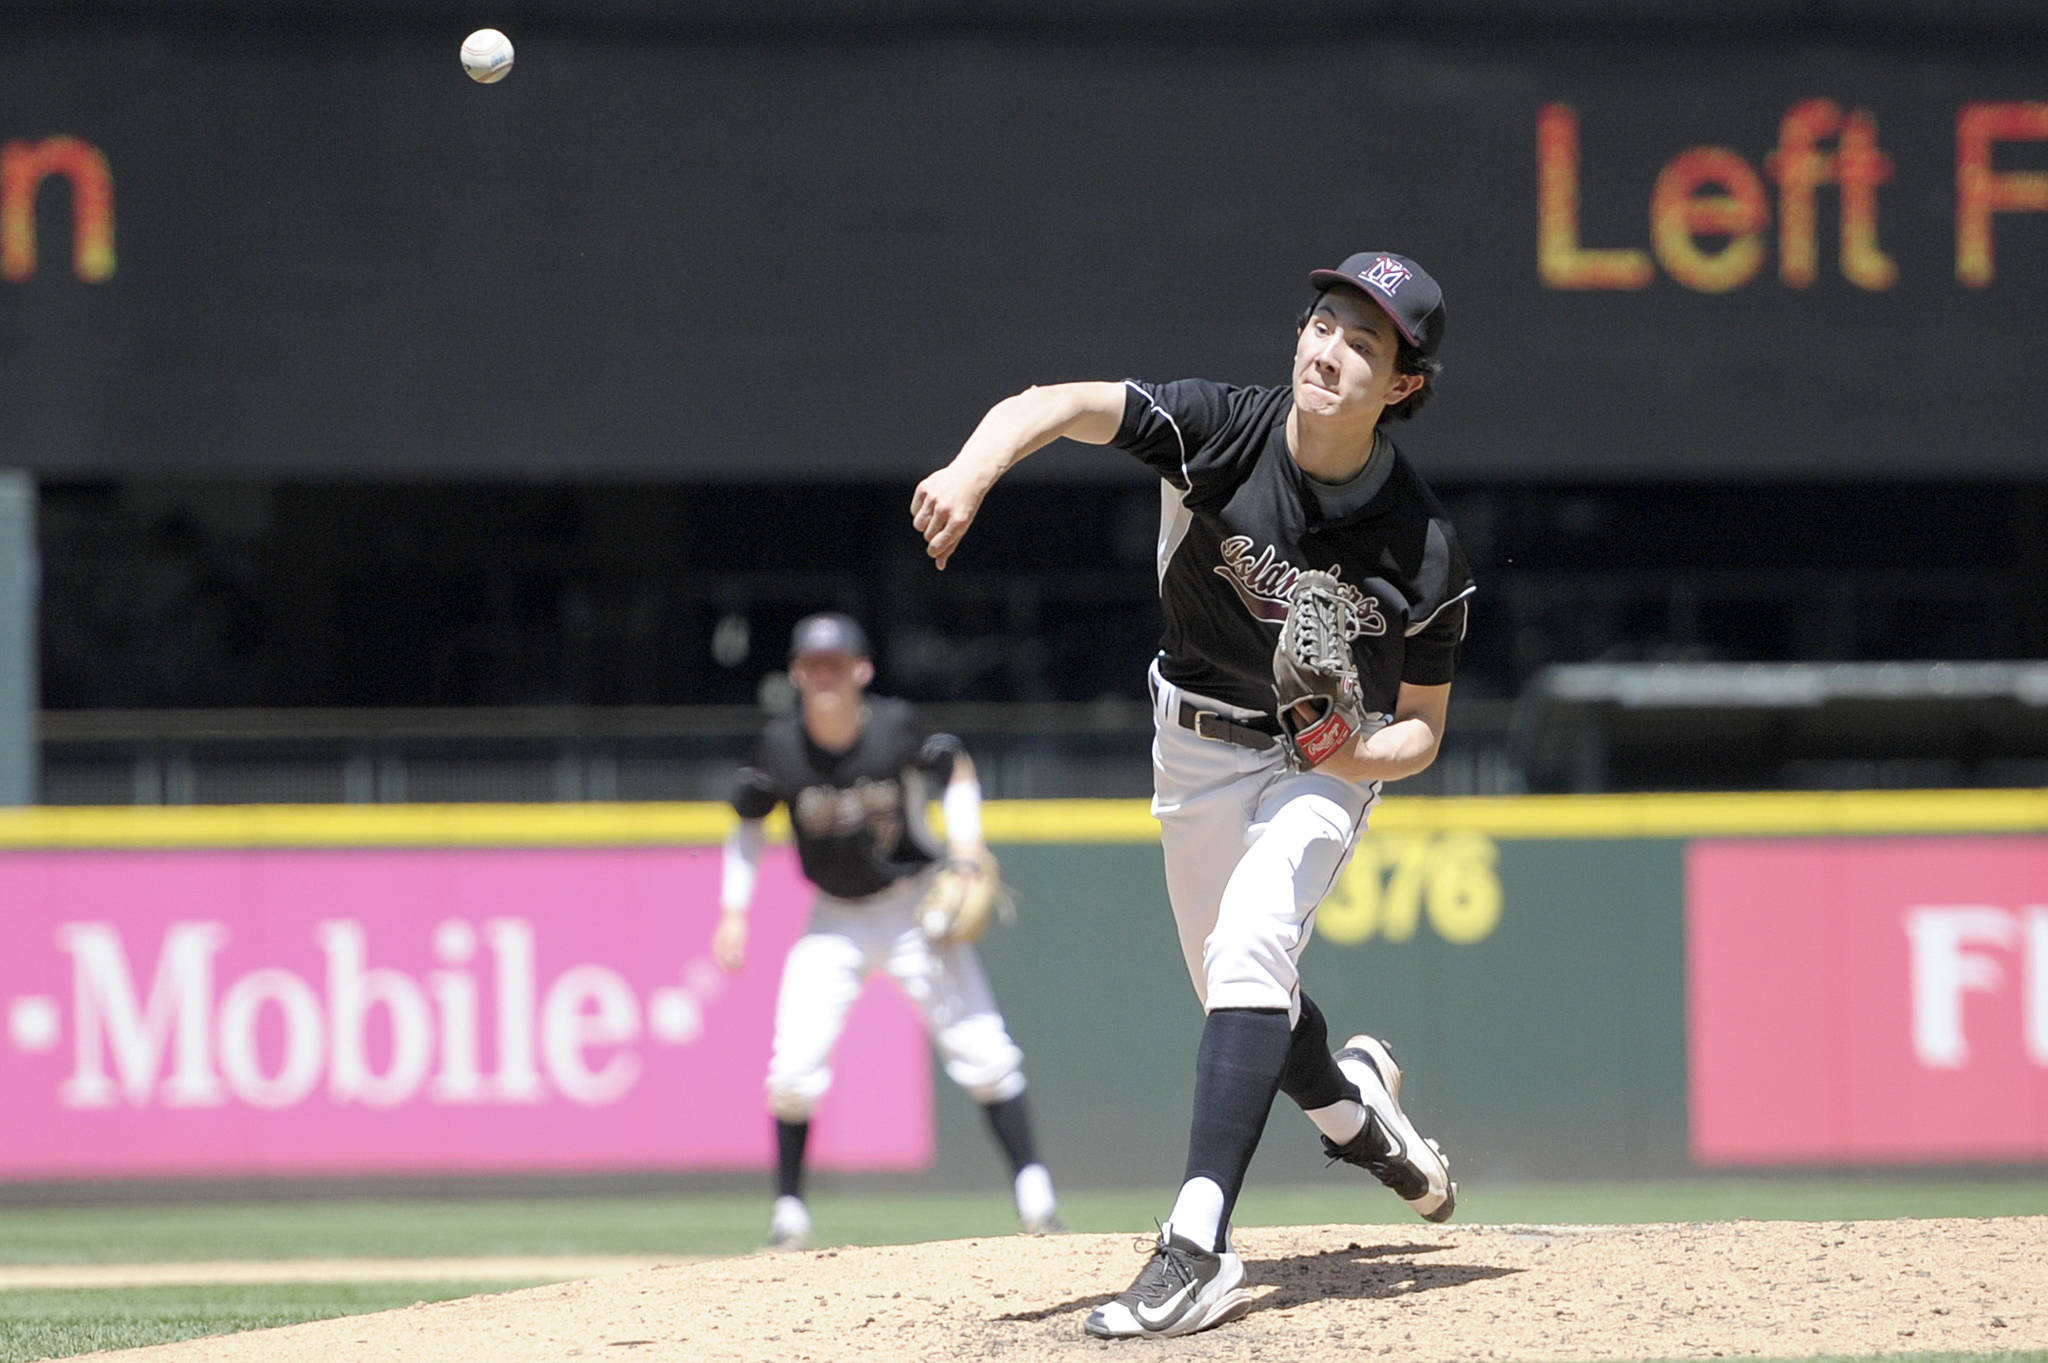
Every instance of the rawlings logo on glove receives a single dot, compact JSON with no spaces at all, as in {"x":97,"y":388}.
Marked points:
{"x":1315,"y":678}
{"x":965,"y":893}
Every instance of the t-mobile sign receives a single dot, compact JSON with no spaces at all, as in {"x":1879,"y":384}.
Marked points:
{"x":1868,"y":1001}
{"x":243,"y":1012}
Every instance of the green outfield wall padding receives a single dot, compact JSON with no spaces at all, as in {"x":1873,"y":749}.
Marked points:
{"x":1091,"y":981}
{"x":1534,"y":993}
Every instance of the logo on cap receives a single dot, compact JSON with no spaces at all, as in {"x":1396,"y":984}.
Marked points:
{"x":1387,"y":274}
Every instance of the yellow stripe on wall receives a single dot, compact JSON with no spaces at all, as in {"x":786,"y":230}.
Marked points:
{"x":408,"y":825}
{"x":1762,"y":814}
{"x":1769,"y":814}
{"x":1775,"y":814}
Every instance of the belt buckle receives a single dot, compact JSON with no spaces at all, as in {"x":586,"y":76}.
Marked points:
{"x":1201,"y":732}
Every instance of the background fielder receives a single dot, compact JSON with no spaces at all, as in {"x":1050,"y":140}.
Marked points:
{"x":1259,"y":486}
{"x":855,"y":772}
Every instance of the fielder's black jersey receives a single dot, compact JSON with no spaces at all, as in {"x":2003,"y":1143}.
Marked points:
{"x":858,"y":815}
{"x":1239,"y":522}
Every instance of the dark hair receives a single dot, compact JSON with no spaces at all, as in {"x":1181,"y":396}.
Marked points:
{"x":1407,"y":360}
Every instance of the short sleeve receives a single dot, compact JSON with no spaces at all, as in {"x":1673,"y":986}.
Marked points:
{"x":1171,"y":426}
{"x":1431,"y":656}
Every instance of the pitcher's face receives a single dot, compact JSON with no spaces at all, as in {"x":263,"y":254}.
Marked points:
{"x":1344,"y":359}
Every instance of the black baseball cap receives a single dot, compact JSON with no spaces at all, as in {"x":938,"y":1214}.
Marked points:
{"x":829,"y":632}
{"x":1402,"y":288}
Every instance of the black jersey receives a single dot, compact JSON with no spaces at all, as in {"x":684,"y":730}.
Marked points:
{"x":858,"y":815}
{"x":1238,"y":523}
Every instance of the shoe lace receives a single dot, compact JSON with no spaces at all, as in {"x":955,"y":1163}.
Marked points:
{"x":1383,"y":1158}
{"x":1171,"y":1268}
{"x":1381,"y":1165}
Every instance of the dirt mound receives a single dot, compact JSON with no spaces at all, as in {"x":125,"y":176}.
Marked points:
{"x":1416,"y":1293}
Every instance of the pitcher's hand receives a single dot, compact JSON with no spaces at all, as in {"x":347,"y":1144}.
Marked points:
{"x":943,"y":507}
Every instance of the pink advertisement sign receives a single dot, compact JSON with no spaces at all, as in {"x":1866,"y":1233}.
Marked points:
{"x":1868,"y":1001}
{"x":276,"y":1012}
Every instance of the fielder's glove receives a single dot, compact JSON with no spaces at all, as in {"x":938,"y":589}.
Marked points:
{"x":965,"y":893}
{"x":1315,"y":678}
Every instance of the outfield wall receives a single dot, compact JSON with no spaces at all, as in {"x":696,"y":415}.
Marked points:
{"x":1576,"y":985}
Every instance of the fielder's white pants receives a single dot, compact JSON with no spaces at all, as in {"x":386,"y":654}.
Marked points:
{"x":846,"y":942}
{"x":1251,"y":849}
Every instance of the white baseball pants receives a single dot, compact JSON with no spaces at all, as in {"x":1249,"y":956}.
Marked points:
{"x":1251,"y":849}
{"x":846,"y":942}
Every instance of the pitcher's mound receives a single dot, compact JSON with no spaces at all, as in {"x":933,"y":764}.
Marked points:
{"x":1398,"y":1293}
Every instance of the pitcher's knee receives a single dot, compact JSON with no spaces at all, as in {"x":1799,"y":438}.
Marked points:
{"x":1257,"y":993}
{"x":1249,"y":962}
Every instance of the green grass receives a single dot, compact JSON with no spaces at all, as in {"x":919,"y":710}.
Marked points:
{"x":52,"y":1324}
{"x":40,"y":1323}
{"x":731,"y":1223}
{"x":1848,"y":1198}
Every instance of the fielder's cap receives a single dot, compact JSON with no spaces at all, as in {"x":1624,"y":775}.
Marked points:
{"x":1402,"y":288}
{"x":829,"y":632}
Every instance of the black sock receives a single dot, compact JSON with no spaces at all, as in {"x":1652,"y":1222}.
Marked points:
{"x":1237,"y":1072}
{"x":1311,"y":1078}
{"x":790,"y":1139}
{"x":1011,"y":1124}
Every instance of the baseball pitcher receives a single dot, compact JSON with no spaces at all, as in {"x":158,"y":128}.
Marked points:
{"x":1314,"y":598}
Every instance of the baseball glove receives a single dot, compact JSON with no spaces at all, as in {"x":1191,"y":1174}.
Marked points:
{"x":965,"y":893}
{"x":1315,"y":678}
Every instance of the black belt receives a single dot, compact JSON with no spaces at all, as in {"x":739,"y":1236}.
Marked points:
{"x":1210,"y":724}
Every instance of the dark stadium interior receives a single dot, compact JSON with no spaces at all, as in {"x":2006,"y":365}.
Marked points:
{"x":611,"y":594}
{"x":417,"y":456}
{"x":218,"y":642}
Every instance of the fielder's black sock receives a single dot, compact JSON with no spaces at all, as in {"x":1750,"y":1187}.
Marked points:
{"x":790,"y":1140}
{"x":1237,"y":1072}
{"x":1011,"y":1124}
{"x":1311,"y":1078}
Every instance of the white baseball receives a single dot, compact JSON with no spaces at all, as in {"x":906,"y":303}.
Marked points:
{"x":487,"y":55}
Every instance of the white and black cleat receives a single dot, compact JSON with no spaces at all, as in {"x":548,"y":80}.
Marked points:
{"x":1182,"y":1288}
{"x":1388,"y":1146}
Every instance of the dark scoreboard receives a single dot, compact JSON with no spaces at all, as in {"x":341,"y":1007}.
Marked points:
{"x":240,"y":251}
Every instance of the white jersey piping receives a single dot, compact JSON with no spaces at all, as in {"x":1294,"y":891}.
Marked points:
{"x":1178,"y":438}
{"x":1174,"y":520}
{"x":1423,"y":623}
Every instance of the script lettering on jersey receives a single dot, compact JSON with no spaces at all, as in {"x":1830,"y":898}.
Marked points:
{"x":832,"y":812}
{"x":1265,"y":583}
